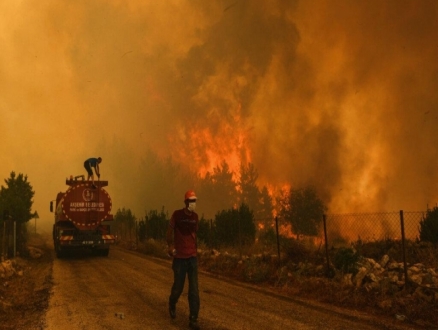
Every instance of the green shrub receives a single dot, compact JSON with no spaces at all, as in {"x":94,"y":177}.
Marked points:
{"x":346,"y":260}
{"x":206,"y":233}
{"x":375,"y":249}
{"x":429,"y":226}
{"x":235,"y":227}
{"x":268,"y":236}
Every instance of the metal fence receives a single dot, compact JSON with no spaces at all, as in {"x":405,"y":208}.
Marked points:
{"x":396,"y":231}
{"x":402,"y":227}
{"x":340,"y":230}
{"x":344,"y":229}
{"x":372,"y":226}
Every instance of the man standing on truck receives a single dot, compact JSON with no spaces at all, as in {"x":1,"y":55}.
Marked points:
{"x":182,"y":246}
{"x":88,"y":164}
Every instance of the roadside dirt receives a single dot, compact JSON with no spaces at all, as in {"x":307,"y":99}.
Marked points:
{"x":24,"y":297}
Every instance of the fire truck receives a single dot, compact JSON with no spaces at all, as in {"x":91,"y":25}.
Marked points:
{"x":82,"y":218}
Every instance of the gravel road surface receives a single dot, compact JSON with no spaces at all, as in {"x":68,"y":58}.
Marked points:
{"x":128,"y":290}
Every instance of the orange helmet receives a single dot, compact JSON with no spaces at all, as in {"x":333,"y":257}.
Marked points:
{"x":190,"y":194}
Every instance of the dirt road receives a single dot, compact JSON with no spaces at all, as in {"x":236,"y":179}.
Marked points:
{"x":89,"y":291}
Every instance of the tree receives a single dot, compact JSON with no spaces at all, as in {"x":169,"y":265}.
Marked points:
{"x":206,"y":232}
{"x":17,"y":200}
{"x":258,"y":201}
{"x":303,"y":209}
{"x":266,"y":207}
{"x":249,"y":191}
{"x":235,"y":226}
{"x":429,"y":226}
{"x":141,"y":230}
{"x":124,"y":222}
{"x":156,"y":224}
{"x":217,"y":190}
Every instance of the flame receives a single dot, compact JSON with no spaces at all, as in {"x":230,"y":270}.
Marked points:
{"x":207,"y":147}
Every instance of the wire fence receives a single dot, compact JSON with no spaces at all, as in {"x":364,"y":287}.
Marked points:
{"x":376,"y":234}
{"x":372,"y":226}
{"x":340,"y":230}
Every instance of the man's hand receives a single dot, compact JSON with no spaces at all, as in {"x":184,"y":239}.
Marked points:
{"x":171,"y":251}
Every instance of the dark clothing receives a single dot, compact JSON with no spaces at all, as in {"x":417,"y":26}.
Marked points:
{"x":93,"y":162}
{"x":181,"y":268}
{"x":89,"y":163}
{"x":88,"y":167}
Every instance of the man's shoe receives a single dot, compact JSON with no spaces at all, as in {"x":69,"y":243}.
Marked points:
{"x":193,"y":324}
{"x":172,"y":311}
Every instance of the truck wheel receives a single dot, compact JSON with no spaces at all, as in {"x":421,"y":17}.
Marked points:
{"x":100,"y":252}
{"x":60,"y":253}
{"x":104,"y":252}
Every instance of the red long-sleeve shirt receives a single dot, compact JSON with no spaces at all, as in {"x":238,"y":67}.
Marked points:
{"x":184,"y":227}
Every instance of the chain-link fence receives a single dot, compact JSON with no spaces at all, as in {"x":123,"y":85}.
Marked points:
{"x":341,"y":228}
{"x":373,"y":235}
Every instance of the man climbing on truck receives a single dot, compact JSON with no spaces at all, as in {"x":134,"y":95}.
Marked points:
{"x":89,"y":164}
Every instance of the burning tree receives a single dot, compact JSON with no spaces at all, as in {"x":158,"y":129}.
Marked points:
{"x":303,"y":209}
{"x":258,"y":200}
{"x":218,"y":190}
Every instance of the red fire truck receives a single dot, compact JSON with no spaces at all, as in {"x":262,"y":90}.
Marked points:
{"x":82,"y":218}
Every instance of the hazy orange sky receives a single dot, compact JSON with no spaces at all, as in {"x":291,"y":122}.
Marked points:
{"x":338,"y":93}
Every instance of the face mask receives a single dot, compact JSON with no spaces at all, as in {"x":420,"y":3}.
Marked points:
{"x":191,"y":207}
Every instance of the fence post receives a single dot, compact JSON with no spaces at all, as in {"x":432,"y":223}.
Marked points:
{"x":239,"y":235}
{"x":278,"y":239}
{"x":15,"y":239}
{"x":210,"y":235}
{"x":4,"y":250}
{"x":402,"y":227}
{"x":136,"y":233}
{"x":324,"y":220}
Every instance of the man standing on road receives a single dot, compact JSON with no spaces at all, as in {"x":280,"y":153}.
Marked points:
{"x":181,"y":242}
{"x":88,"y":164}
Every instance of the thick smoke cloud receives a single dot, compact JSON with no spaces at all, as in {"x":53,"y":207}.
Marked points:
{"x":338,"y":94}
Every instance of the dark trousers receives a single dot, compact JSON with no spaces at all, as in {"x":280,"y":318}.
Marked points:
{"x":181,"y":268}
